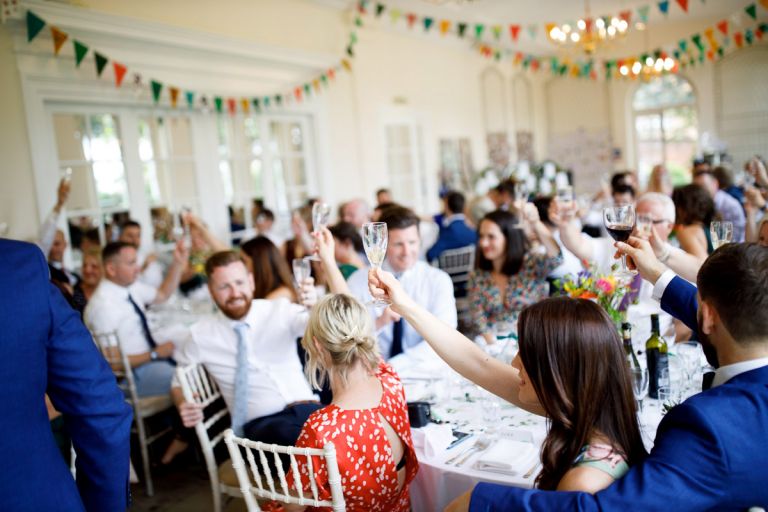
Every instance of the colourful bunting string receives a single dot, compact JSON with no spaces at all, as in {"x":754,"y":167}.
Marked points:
{"x":751,"y":10}
{"x":101,"y":63}
{"x":120,"y":71}
{"x":80,"y":52}
{"x":59,"y":38}
{"x":34,"y":25}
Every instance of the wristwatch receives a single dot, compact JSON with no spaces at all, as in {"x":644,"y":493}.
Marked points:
{"x":153,"y":356}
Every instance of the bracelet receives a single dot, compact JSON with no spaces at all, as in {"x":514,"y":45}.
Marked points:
{"x":665,"y":255}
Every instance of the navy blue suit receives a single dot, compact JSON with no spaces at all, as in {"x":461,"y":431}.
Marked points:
{"x":454,"y":235}
{"x":679,"y":300}
{"x":45,"y":348}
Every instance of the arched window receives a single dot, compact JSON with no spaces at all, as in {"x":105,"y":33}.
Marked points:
{"x":666,"y":127}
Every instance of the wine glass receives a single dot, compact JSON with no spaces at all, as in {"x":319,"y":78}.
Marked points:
{"x":321,"y":213}
{"x":301,"y":270}
{"x":521,"y":197}
{"x":620,"y":221}
{"x":564,"y":197}
{"x":375,"y":238}
{"x":721,"y":232}
{"x":690,"y":357}
{"x":639,"y":385}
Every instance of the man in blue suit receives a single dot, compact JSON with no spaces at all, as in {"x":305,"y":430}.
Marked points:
{"x":45,"y":348}
{"x":454,"y":232}
{"x":710,"y":451}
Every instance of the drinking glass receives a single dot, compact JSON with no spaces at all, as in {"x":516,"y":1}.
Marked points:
{"x":521,"y":197}
{"x":301,"y":270}
{"x":620,"y":221}
{"x":722,"y":233}
{"x":66,"y":174}
{"x":644,"y":225}
{"x":321,"y":213}
{"x":639,"y":385}
{"x":375,"y":238}
{"x":665,"y":399}
{"x":689,"y":353}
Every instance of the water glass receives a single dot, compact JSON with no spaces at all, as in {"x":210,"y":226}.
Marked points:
{"x":639,"y":384}
{"x":721,"y":232}
{"x":301,"y":270}
{"x":665,"y":400}
{"x":644,"y":225}
{"x":491,"y":408}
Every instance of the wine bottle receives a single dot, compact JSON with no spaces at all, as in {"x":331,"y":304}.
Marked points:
{"x":626,"y":335}
{"x":656,"y":354}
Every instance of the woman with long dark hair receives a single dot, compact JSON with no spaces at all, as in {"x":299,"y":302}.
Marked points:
{"x":571,"y":368}
{"x":694,"y":210}
{"x":509,"y":275}
{"x":271,"y":275}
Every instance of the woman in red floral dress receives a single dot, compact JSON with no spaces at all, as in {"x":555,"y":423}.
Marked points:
{"x":368,"y":419}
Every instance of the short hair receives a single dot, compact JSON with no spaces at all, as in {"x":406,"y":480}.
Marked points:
{"x":267,"y":214}
{"x":347,"y":232}
{"x":623,"y":188}
{"x":94,"y":252}
{"x":399,"y":217}
{"x":454,"y":200}
{"x":113,"y":250}
{"x":664,"y":200}
{"x":516,"y":243}
{"x":221,"y":259}
{"x":343,"y":327}
{"x":734,"y":280}
{"x":723,"y":176}
{"x":130,"y":223}
{"x":693,"y":204}
{"x":383,"y":191}
{"x":619,"y":178}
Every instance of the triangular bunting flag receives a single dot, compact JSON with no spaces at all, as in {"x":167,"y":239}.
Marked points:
{"x":256,"y":104}
{"x":316,"y":84}
{"x":683,"y":5}
{"x":496,"y":31}
{"x":331,"y":74}
{"x":266,"y":101}
{"x":120,"y":71}
{"x":479,"y":31}
{"x":157,"y":88}
{"x":739,"y":38}
{"x":307,"y":89}
{"x":80,"y":51}
{"x":34,"y":25}
{"x":462,"y":27}
{"x":751,"y":9}
{"x":764,"y":3}
{"x":723,"y":27}
{"x":514,"y":31}
{"x":535,"y":64}
{"x":323,"y":79}
{"x":428,"y":24}
{"x":626,"y":16}
{"x":532,"y":31}
{"x":664,"y":7}
{"x":445,"y":26}
{"x":245,"y":105}
{"x":720,"y":52}
{"x":548,"y":27}
{"x":231,"y":106}
{"x":218,"y":101}
{"x":394,"y":15}
{"x":683,"y":45}
{"x":297,"y":93}
{"x":411,"y":19}
{"x":696,"y":38}
{"x":748,"y":36}
{"x":643,"y":12}
{"x":101,"y":62}
{"x":711,"y":55}
{"x":173,"y":92}
{"x":190,"y":99}
{"x":380,"y":9}
{"x":59,"y":38}
{"x":278,"y":99}
{"x":346,"y":64}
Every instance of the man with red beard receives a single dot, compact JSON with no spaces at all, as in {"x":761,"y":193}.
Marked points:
{"x":249,"y":348}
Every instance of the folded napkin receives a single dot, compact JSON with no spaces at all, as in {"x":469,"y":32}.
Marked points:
{"x":433,"y":439}
{"x":507,"y":457}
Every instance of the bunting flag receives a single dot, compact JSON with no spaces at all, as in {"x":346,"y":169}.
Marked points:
{"x":496,"y":29}
{"x":394,"y":15}
{"x":533,"y":31}
{"x":427,"y":24}
{"x":346,"y":64}
{"x":218,"y":102}
{"x":664,"y":7}
{"x":748,"y":36}
{"x":173,"y":94}
{"x":101,"y":63}
{"x":380,"y":9}
{"x":643,"y":12}
{"x":80,"y":52}
{"x":764,"y":3}
{"x":683,"y":45}
{"x":34,"y":25}
{"x":479,"y":31}
{"x":59,"y":38}
{"x":697,"y":41}
{"x":445,"y":26}
{"x":157,"y":88}
{"x":751,"y":10}
{"x":683,"y":5}
{"x":297,"y":94}
{"x":256,"y":104}
{"x":245,"y":106}
{"x":231,"y":106}
{"x":120,"y":71}
{"x":190,"y":95}
{"x":462,"y":28}
{"x":411,"y":19}
{"x":514,"y":32}
{"x":723,"y":27}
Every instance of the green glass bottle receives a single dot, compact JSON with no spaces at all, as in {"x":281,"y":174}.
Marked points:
{"x":626,"y":336}
{"x":656,"y":354}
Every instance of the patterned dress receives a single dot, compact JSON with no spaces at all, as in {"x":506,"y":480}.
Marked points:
{"x":528,"y":286}
{"x":368,"y":474}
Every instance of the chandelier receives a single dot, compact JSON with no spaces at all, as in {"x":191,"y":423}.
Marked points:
{"x":650,"y":68}
{"x":588,"y":33}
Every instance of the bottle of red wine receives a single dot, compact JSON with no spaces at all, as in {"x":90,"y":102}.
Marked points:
{"x":656,"y":354}
{"x":626,"y":335}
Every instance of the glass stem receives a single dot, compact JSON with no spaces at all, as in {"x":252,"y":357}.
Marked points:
{"x":624,"y":262}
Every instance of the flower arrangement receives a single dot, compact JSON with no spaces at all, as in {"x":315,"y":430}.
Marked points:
{"x":601,"y":288}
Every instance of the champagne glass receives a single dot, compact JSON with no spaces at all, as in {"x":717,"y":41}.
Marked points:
{"x":722,"y":233}
{"x":302,"y":269}
{"x":564,"y":196}
{"x":375,"y":238}
{"x":66,"y":175}
{"x":644,"y":225}
{"x":321,"y":213}
{"x":521,"y":197}
{"x":639,"y":385}
{"x":620,"y":221}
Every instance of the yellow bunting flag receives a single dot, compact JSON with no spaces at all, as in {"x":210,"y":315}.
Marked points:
{"x":445,"y":26}
{"x":59,"y":38}
{"x":245,"y":105}
{"x":174,"y":93}
{"x":394,"y":15}
{"x":346,"y":64}
{"x":549,"y":27}
{"x":710,"y":35}
{"x":316,"y":84}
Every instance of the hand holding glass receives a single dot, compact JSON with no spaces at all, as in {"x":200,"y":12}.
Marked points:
{"x":722,"y":233}
{"x":321,"y":213}
{"x":620,"y":221}
{"x":644,"y":225}
{"x":375,"y":238}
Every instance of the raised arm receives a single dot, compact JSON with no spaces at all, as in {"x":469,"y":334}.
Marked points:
{"x":172,"y":278}
{"x":215,"y":244}
{"x":325,"y":250}
{"x":453,"y":347}
{"x":570,"y":232}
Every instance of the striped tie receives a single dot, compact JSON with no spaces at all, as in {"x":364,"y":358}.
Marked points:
{"x":240,"y":406}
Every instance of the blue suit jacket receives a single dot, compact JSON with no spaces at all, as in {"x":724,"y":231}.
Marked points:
{"x":44,"y":347}
{"x":454,"y":235}
{"x":679,"y":300}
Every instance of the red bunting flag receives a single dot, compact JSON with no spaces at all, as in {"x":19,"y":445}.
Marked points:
{"x":231,"y":106}
{"x":739,"y":38}
{"x":120,"y":71}
{"x":59,"y":38}
{"x":514,"y":31}
{"x":588,"y":25}
{"x":331,"y":73}
{"x":683,"y":4}
{"x":764,"y":3}
{"x":174,"y":93}
{"x":723,"y":27}
{"x":626,"y":16}
{"x":535,"y":65}
{"x":518,"y":58}
{"x":411,"y":19}
{"x":711,"y":55}
{"x":297,"y":93}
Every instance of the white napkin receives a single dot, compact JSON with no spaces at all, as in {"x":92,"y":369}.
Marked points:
{"x":507,"y":457}
{"x":433,"y":439}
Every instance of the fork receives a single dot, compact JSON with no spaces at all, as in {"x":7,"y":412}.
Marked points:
{"x":480,"y":445}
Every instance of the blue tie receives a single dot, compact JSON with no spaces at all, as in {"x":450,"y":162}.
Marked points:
{"x":240,"y":406}
{"x":397,"y":339}
{"x":145,"y":328}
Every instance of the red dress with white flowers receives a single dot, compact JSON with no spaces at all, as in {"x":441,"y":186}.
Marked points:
{"x":363,"y":451}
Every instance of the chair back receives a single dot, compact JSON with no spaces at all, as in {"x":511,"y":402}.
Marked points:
{"x":253,"y":486}
{"x":110,"y":348}
{"x":458,"y":263}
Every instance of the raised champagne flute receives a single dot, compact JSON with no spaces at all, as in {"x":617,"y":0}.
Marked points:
{"x":302,"y":269}
{"x":644,"y":225}
{"x":721,"y":232}
{"x":375,"y":238}
{"x":620,"y":221}
{"x":521,"y":197}
{"x":564,"y":196}
{"x":321,"y":213}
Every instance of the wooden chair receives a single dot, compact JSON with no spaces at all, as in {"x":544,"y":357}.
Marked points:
{"x":198,"y":387}
{"x":143,"y":408}
{"x":253,"y":486}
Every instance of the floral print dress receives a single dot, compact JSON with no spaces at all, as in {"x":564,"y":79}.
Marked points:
{"x":488,"y":308}
{"x":364,"y":454}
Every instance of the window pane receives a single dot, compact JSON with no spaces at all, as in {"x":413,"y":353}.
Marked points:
{"x":648,"y":155}
{"x":663,"y":91}
{"x":152,"y":186}
{"x":287,"y":137}
{"x":278,"y":177}
{"x":105,"y":139}
{"x":111,"y":187}
{"x":257,"y":179}
{"x":225,"y":170}
{"x":398,"y":137}
{"x":146,"y":144}
{"x":180,"y":136}
{"x":225,"y":144}
{"x":648,"y":127}
{"x":679,"y":158}
{"x":82,"y":195}
{"x":251,"y":129}
{"x":400,"y":164}
{"x":680,"y":124}
{"x":183,"y":183}
{"x":70,"y":133}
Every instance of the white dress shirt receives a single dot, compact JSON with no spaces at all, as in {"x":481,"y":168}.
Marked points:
{"x":110,"y":310}
{"x":430,"y":287}
{"x":276,"y":378}
{"x":153,"y":274}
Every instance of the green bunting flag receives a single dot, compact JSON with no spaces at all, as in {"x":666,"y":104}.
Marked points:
{"x":748,"y":36}
{"x":642,"y":13}
{"x":683,"y":45}
{"x":428,"y":24}
{"x":34,"y":25}
{"x":157,"y":88}
{"x":479,"y":31}
{"x":324,"y":79}
{"x":190,"y":99}
{"x":219,"y":102}
{"x":751,"y":9}
{"x":380,"y":9}
{"x":278,"y":99}
{"x":307,"y":89}
{"x":80,"y":51}
{"x":462,"y":28}
{"x":101,"y":62}
{"x":496,"y":31}
{"x":697,"y":41}
{"x":533,"y":30}
{"x":720,"y":52}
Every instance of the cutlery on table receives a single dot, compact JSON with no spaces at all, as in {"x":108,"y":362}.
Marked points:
{"x":480,"y":445}
{"x":532,"y":470}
